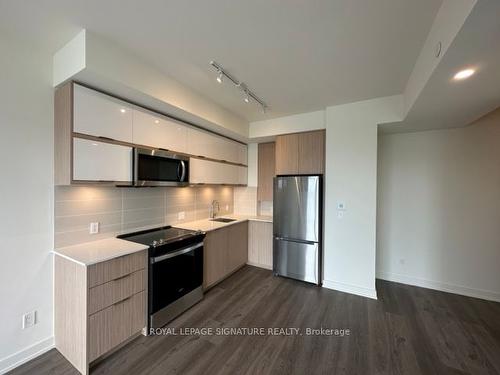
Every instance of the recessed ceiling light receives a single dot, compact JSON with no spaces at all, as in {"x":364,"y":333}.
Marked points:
{"x":463,"y":74}
{"x":157,"y":121}
{"x":123,"y":110}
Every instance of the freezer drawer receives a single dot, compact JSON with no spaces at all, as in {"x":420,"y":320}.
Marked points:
{"x":297,"y":260}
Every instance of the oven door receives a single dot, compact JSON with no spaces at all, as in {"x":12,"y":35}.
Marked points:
{"x":160,"y":168}
{"x":175,"y":283}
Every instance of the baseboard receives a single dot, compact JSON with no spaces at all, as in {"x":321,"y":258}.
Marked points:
{"x":260,"y":265}
{"x":437,"y":285}
{"x":14,"y":360}
{"x":351,"y":289}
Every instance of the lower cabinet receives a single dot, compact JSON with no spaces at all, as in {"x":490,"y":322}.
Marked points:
{"x":98,"y":307}
{"x":226,"y":250}
{"x":260,"y":244}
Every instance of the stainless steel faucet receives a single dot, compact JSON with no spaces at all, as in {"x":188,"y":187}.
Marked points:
{"x":213,"y":214}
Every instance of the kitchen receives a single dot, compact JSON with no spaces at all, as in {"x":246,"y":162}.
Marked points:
{"x":226,"y":198}
{"x":110,"y":147}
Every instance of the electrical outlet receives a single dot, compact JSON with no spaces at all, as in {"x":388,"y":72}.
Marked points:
{"x":29,"y":319}
{"x":181,"y":215}
{"x":94,"y":228}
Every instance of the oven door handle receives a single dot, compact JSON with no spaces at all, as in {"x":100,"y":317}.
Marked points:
{"x":174,"y":254}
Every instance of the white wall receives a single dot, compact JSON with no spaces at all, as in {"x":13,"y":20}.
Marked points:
{"x":351,"y":178}
{"x":439,"y":208}
{"x":302,"y":122}
{"x":98,"y":62}
{"x":26,"y":196}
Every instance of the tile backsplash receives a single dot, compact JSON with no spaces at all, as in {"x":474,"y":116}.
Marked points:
{"x":120,"y":210}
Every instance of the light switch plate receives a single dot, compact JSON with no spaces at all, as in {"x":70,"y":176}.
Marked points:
{"x":341,"y":206}
{"x":94,"y":228}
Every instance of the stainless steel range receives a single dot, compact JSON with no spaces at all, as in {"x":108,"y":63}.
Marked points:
{"x":175,"y":271}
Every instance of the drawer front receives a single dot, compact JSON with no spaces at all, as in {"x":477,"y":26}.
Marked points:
{"x":103,"y":272}
{"x":112,"y":326}
{"x":107,"y":294}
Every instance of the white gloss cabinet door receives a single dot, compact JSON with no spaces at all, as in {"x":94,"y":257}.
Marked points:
{"x":158,"y":132}
{"x":212,"y":172}
{"x":202,"y":143}
{"x":101,"y":115}
{"x":97,"y":161}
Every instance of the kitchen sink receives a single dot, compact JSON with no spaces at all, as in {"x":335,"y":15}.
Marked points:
{"x":223,"y":220}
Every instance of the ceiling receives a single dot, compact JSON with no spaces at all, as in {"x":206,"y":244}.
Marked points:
{"x":447,"y":103}
{"x":298,"y":56}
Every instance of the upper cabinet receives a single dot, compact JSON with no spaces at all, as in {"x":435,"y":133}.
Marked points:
{"x":300,"y":153}
{"x":101,"y":162}
{"x":266,"y":168}
{"x":201,"y":143}
{"x":213,"y":172}
{"x":94,"y":137}
{"x":287,"y":154}
{"x":101,"y":115}
{"x":158,"y":132}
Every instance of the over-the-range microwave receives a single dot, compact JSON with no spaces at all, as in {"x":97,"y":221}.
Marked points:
{"x":160,"y":168}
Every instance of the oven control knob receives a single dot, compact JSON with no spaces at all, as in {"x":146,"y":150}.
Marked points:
{"x":155,"y":243}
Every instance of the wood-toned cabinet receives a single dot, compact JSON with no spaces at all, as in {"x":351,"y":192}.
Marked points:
{"x":101,"y":115}
{"x":225,"y":250}
{"x":266,"y":170}
{"x":312,"y":152}
{"x":260,"y":244}
{"x":203,"y":171}
{"x":300,"y":153}
{"x":98,"y":161}
{"x":159,"y":132}
{"x":98,"y":307}
{"x":287,"y":154}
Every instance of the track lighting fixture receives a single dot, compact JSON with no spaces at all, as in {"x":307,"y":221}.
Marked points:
{"x":221,"y":74}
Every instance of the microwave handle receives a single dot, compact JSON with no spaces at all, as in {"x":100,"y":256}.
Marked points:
{"x":183,"y":173}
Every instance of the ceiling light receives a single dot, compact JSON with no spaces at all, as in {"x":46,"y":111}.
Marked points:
{"x":220,"y":77}
{"x":222,"y":74}
{"x":463,"y":74}
{"x":122,"y":110}
{"x":157,"y":121}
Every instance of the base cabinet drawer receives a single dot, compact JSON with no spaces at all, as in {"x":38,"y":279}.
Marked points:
{"x":115,"y":324}
{"x":101,"y":273}
{"x":107,"y":294}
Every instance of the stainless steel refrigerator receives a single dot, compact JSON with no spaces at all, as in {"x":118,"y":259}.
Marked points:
{"x":297,"y":227}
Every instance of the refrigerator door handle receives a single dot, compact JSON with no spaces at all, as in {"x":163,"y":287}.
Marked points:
{"x":295,"y":240}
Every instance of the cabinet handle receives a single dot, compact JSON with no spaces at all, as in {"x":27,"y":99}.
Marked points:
{"x":122,"y":301}
{"x":121,"y":277}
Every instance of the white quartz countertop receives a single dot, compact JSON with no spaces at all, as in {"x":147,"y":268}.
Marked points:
{"x":207,"y":225}
{"x":93,"y":252}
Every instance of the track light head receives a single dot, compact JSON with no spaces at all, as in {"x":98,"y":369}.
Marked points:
{"x":246,"y":99}
{"x":220,"y":76}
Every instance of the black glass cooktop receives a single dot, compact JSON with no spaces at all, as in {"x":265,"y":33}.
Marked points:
{"x":159,"y":236}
